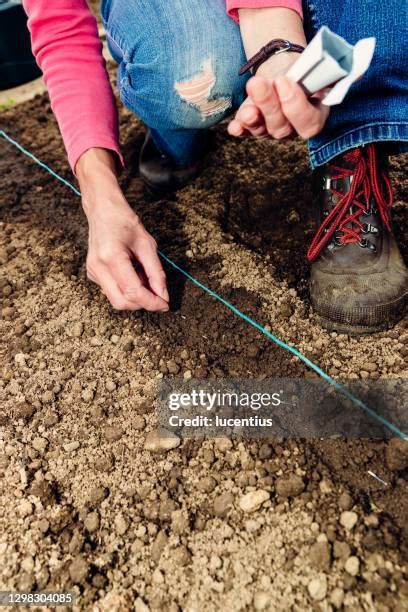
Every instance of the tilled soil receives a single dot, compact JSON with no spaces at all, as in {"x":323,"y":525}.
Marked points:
{"x":84,"y":505}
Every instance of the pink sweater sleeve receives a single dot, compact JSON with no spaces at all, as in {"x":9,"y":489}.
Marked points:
{"x":65,"y":42}
{"x":234,"y":5}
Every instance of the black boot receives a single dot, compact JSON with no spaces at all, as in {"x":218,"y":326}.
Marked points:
{"x":359,"y":282}
{"x":160,"y":173}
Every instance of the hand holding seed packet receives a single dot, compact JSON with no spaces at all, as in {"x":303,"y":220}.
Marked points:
{"x":331,"y":60}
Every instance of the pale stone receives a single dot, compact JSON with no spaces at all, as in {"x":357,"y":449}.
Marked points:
{"x":318,"y":588}
{"x":352,"y":565}
{"x":161,"y":441}
{"x":348,"y":519}
{"x":253,"y":500}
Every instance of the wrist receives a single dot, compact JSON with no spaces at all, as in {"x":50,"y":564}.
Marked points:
{"x":99,"y":185}
{"x":97,"y":177}
{"x":259,"y":26}
{"x":277,"y":65}
{"x":95,"y":167}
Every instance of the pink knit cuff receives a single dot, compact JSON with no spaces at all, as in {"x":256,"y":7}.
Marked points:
{"x":89,"y":142}
{"x":234,"y":5}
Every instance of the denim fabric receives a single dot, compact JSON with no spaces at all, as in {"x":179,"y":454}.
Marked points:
{"x":376,"y":108}
{"x":178,"y":67}
{"x":179,"y":60}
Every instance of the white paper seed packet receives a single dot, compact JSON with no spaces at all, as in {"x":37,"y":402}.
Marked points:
{"x":329,"y":59}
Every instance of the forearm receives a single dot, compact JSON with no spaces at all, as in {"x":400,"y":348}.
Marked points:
{"x":97,"y":176}
{"x":66,"y":45}
{"x":259,"y":26}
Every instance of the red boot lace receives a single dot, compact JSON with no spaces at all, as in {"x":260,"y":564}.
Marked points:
{"x":344,"y":219}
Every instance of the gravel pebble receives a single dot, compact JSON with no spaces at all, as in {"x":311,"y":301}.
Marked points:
{"x":352,"y":565}
{"x":139,"y":422}
{"x":70,"y":447}
{"x":337,"y":598}
{"x":318,"y":588}
{"x":110,"y":385}
{"x":78,"y":570}
{"x":88,"y":394}
{"x":207,"y":484}
{"x":91,"y":522}
{"x":253,"y":500}
{"x":40,"y":444}
{"x":348,"y":519}
{"x":121,"y":524}
{"x":345,"y":501}
{"x":341,"y":550}
{"x":161,"y":440}
{"x":290,"y":486}
{"x":158,"y":546}
{"x":223,"y":444}
{"x":25,"y":508}
{"x":320,"y":555}
{"x":77,"y":329}
{"x":97,"y":495}
{"x":222,"y":503}
{"x":113,"y":433}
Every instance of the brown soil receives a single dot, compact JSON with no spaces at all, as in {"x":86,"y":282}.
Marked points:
{"x":83,"y":505}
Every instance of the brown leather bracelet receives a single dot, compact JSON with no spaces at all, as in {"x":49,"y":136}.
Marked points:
{"x":274,"y":47}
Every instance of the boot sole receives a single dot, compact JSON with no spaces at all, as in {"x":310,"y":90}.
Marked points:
{"x":383,"y":317}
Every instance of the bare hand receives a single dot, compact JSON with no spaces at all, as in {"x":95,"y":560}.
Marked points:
{"x":123,"y":260}
{"x":122,"y":256}
{"x":278,"y":108}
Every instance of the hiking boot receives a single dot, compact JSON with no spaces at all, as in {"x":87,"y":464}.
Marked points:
{"x":159,"y":172}
{"x":359,"y":282}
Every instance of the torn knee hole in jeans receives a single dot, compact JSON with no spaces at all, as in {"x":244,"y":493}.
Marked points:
{"x":197,"y":92}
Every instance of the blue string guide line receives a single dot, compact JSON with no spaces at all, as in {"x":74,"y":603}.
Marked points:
{"x":290,"y":349}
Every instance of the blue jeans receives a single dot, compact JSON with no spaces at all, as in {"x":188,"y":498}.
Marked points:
{"x":179,"y":60}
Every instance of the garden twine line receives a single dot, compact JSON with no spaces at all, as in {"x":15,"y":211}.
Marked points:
{"x":294,"y":351}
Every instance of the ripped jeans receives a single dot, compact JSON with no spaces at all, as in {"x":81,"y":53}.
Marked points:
{"x":179,"y":60}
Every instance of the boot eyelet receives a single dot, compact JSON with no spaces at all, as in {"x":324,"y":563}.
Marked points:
{"x":368,"y":228}
{"x":363,"y":243}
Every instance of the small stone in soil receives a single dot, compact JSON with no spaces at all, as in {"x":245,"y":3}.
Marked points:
{"x":158,"y":546}
{"x":352,"y":565}
{"x":121,"y":524}
{"x":97,"y":495}
{"x":318,"y":588}
{"x":345,"y":501}
{"x":320,"y":555}
{"x":222,"y":503}
{"x":91,"y":522}
{"x":78,"y":570}
{"x":113,"y":433}
{"x":207,"y":484}
{"x":161,"y":440}
{"x":25,"y":508}
{"x":290,"y":486}
{"x":253,"y":500}
{"x":348,"y":519}
{"x":139,"y":422}
{"x":337,"y":598}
